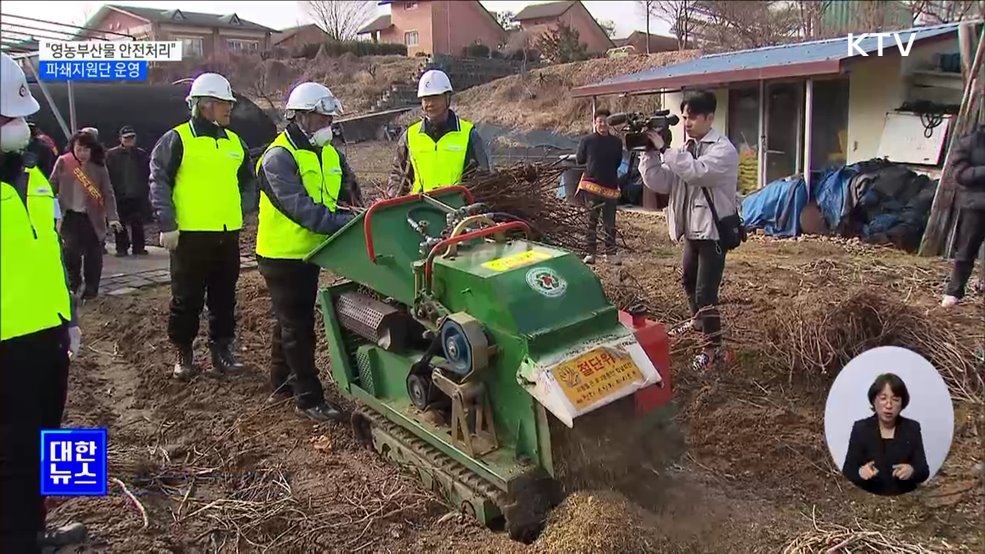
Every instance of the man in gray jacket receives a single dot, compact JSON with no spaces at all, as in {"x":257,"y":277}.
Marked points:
{"x":708,"y":162}
{"x":305,"y":184}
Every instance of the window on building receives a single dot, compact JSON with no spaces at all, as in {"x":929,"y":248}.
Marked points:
{"x":410,"y":6}
{"x":829,"y":133}
{"x":243,"y":46}
{"x":411,"y":38}
{"x":743,"y":131}
{"x":191,"y":47}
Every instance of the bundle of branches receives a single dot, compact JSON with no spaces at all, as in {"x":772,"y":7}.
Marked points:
{"x":525,"y":192}
{"x":528,"y":192}
{"x":836,"y":538}
{"x":818,"y":336}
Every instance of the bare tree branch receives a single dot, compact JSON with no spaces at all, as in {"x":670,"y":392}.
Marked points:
{"x":340,"y":19}
{"x":679,"y":14}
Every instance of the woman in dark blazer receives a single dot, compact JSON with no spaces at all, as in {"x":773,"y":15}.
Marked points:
{"x":885,"y":452}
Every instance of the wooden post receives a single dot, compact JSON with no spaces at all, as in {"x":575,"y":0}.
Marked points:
{"x":940,"y":225}
{"x":761,"y":151}
{"x":808,"y":126}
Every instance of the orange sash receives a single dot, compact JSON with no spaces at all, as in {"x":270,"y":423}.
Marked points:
{"x":597,"y":189}
{"x":91,"y":189}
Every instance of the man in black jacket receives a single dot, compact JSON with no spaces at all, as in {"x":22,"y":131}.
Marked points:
{"x":129,"y":171}
{"x":969,"y":173}
{"x":601,"y":154}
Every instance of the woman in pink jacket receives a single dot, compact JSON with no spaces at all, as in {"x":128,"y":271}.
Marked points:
{"x":85,"y":195}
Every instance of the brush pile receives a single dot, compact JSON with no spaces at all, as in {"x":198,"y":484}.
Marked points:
{"x":529,"y":193}
{"x":837,"y":538}
{"x":526,"y":192}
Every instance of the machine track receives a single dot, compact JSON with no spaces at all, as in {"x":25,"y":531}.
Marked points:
{"x":521,"y":514}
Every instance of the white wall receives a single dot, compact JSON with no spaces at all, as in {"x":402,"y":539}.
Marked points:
{"x":672,"y":101}
{"x":880,"y":85}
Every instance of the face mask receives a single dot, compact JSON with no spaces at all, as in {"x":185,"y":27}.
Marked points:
{"x":15,"y":135}
{"x":322,"y":136}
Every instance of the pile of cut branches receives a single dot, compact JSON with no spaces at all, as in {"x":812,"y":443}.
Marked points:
{"x":528,"y":192}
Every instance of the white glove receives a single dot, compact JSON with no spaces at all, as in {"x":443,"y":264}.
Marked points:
{"x":74,"y":341}
{"x":116,"y":226}
{"x":169,"y":240}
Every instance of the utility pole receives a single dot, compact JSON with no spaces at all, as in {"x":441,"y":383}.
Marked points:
{"x":648,"y":2}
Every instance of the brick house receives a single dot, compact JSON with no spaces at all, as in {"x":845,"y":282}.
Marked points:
{"x":202,"y":35}
{"x":436,"y":27}
{"x":293,"y":37}
{"x":538,"y":19}
{"x":658,"y":43}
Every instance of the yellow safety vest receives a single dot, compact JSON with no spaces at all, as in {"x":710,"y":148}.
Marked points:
{"x":278,"y":236}
{"x":33,"y":292}
{"x":437,"y":164}
{"x":206,"y":188}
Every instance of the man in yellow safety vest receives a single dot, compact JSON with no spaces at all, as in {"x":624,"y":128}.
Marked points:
{"x":201,"y":183}
{"x":38,"y":333}
{"x":441,"y":148}
{"x":303,"y":182}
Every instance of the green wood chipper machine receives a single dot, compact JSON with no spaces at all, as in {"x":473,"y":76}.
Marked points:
{"x":488,"y":364}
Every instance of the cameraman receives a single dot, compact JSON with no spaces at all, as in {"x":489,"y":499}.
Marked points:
{"x":601,"y":154}
{"x":707,"y":161}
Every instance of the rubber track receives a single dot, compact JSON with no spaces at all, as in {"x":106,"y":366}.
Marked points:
{"x":519,"y":522}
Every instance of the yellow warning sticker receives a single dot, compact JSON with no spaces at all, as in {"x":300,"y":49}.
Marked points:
{"x":514,"y":261}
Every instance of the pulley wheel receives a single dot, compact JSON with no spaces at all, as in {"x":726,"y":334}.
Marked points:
{"x":456,"y":348}
{"x":419,"y":389}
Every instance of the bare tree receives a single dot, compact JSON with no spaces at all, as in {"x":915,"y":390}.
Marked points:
{"x":945,"y":11}
{"x":811,"y":15}
{"x":728,"y":25}
{"x":679,"y":14}
{"x":340,"y":19}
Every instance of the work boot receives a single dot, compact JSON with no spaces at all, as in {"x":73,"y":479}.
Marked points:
{"x":589,"y":259}
{"x":73,"y":533}
{"x":184,"y":365}
{"x":321,"y":413}
{"x":223,"y":359}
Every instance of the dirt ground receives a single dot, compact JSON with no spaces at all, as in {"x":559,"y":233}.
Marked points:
{"x":218,"y":467}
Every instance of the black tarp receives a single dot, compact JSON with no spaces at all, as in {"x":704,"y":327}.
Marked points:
{"x":150,"y":109}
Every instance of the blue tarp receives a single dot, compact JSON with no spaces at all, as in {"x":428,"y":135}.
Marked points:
{"x":885,"y":202}
{"x":776,"y":207}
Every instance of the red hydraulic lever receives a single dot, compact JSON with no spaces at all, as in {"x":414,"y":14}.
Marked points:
{"x":368,"y":217}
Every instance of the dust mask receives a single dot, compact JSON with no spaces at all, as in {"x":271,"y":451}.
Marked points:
{"x":322,"y":136}
{"x":15,"y":135}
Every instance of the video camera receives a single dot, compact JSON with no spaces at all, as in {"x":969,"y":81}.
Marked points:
{"x":636,"y":125}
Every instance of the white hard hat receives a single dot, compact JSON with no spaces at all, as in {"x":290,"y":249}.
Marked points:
{"x":15,"y":96}
{"x":211,"y":85}
{"x":315,"y":97}
{"x":433,"y":82}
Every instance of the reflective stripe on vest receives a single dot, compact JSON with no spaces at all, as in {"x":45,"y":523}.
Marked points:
{"x":278,"y":236}
{"x":437,"y":164}
{"x":33,"y":293}
{"x":206,"y":188}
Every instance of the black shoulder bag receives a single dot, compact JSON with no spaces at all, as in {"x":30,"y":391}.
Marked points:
{"x":731,"y":230}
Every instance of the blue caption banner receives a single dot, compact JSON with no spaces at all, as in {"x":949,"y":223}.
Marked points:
{"x":104,"y":70}
{"x":73,"y":462}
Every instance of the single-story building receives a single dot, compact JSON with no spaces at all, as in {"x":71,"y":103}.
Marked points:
{"x":795,"y":108}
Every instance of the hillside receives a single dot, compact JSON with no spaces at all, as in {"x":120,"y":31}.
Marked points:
{"x":541,"y":99}
{"x":357,"y":81}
